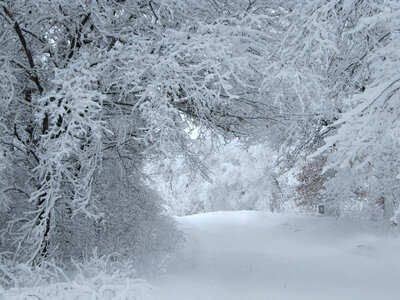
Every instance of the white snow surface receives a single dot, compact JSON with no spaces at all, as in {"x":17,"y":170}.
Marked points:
{"x":256,"y":255}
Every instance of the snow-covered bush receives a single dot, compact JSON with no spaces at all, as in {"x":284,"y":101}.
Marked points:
{"x":97,"y":277}
{"x":310,"y":184}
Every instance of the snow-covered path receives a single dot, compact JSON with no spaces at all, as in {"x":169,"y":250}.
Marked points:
{"x":255,"y":255}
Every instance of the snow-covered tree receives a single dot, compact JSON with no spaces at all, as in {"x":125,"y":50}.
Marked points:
{"x":241,"y":177}
{"x":363,"y":148}
{"x":87,"y":83}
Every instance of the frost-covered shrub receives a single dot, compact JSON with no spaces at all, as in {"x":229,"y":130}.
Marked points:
{"x":96,"y":277}
{"x":310,"y":185}
{"x":131,"y":222}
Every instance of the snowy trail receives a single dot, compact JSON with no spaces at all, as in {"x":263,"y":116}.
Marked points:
{"x":255,"y":255}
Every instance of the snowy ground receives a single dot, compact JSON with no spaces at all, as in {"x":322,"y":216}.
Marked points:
{"x":254,"y":255}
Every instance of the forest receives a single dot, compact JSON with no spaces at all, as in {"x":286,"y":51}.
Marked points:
{"x":118,"y":115}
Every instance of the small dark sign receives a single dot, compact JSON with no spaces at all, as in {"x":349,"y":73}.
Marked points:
{"x":321,"y":209}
